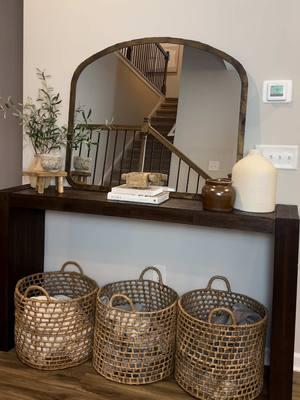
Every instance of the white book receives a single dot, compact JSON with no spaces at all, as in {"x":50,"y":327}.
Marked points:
{"x":149,"y":191}
{"x":158,"y":199}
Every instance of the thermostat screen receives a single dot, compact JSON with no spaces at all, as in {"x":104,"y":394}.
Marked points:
{"x":276,"y":91}
{"x":279,"y":91}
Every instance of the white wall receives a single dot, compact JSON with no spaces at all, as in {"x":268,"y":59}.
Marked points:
{"x":236,"y":27}
{"x":173,"y":78}
{"x":208,"y":111}
{"x":113,"y":90}
{"x":96,"y":88}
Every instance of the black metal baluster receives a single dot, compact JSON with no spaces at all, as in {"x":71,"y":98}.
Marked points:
{"x":161,"y":73}
{"x":89,"y":148}
{"x":96,"y":156}
{"x":143,"y":59}
{"x":114,"y":154}
{"x":105,"y":155}
{"x":129,"y":53}
{"x":178,"y":173}
{"x":151,"y":154}
{"x":151,"y":64}
{"x":147,"y":59}
{"x":197,"y":183}
{"x":139,"y":58}
{"x":132,"y":54}
{"x":154,"y":65}
{"x":161,"y":157}
{"x":158,"y":67}
{"x":187,"y":180}
{"x":132,"y":150}
{"x":123,"y":152}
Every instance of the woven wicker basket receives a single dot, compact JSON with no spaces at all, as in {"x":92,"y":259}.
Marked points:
{"x":53,"y":333}
{"x":216,"y":361}
{"x":135,"y":331}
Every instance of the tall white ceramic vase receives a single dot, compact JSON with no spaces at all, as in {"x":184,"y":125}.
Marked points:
{"x":254,"y":180}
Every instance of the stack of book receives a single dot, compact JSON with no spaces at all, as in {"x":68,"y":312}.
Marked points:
{"x":150,"y":195}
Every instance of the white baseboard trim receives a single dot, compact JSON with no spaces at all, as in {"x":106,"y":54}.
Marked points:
{"x":297,"y":362}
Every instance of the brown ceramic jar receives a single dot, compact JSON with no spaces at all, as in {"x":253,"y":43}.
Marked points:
{"x":218,"y":195}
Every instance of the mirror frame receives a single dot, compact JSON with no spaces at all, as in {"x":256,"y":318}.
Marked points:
{"x":164,"y":39}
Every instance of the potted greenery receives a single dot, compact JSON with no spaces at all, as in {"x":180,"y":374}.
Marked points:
{"x":81,"y":137}
{"x":40,"y":122}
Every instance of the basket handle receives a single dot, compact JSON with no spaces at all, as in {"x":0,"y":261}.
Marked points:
{"x":224,"y":309}
{"x":123,"y":296}
{"x":35,"y":287}
{"x":153,"y":269}
{"x":71,"y":263}
{"x":221,"y":278}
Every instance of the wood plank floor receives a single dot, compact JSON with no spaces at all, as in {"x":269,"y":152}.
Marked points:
{"x":18,"y":382}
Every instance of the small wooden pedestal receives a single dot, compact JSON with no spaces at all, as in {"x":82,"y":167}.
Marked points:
{"x":43,"y":176}
{"x":80,"y":176}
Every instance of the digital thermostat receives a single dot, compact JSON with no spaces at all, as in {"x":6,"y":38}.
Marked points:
{"x":277,"y":92}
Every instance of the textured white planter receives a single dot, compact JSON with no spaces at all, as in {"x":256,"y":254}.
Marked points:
{"x":82,"y":163}
{"x":51,"y":162}
{"x":254,"y":180}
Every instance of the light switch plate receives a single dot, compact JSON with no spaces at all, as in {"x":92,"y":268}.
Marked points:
{"x":213,"y":165}
{"x":281,"y":156}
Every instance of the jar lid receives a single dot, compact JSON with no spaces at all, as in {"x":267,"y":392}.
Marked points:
{"x":219,"y":181}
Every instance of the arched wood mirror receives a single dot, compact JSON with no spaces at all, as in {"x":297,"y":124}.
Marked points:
{"x":161,"y":104}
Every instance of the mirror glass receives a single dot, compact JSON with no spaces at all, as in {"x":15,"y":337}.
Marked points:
{"x":188,"y":95}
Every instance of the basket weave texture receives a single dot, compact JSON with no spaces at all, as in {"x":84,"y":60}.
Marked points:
{"x":135,"y":331}
{"x":55,"y":333}
{"x":216,"y":361}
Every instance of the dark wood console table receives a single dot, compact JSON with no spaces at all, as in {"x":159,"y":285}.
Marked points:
{"x":22,"y":222}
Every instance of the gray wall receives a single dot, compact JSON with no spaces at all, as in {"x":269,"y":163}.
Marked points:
{"x":11,"y":73}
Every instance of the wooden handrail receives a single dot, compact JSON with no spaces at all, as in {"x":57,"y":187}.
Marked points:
{"x":156,"y":107}
{"x":113,"y":127}
{"x":165,"y":53}
{"x":148,"y":128}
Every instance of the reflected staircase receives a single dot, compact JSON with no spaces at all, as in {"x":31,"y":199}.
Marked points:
{"x":156,"y":157}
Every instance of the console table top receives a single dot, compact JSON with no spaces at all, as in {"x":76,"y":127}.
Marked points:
{"x":182,"y":211}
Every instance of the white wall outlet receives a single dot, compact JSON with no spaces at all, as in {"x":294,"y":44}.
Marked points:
{"x":213,"y":165}
{"x":163,"y":270}
{"x":281,"y":156}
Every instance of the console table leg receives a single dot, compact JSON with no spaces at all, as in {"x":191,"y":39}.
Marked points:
{"x":284,"y":304}
{"x":21,"y":253}
{"x":60,"y":184}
